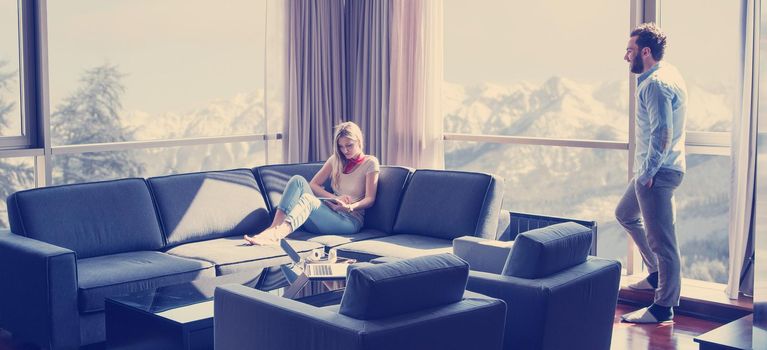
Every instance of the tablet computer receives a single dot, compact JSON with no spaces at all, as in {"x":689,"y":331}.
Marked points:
{"x":329,"y":199}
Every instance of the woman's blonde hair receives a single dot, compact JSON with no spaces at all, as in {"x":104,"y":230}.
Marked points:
{"x":352,"y":131}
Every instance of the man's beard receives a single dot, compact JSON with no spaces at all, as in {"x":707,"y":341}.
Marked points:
{"x":637,"y":66}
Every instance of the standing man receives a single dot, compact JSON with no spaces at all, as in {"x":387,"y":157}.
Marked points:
{"x":646,"y":210}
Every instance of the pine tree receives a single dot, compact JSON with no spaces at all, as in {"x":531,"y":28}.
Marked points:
{"x":12,"y":177}
{"x":91,"y":115}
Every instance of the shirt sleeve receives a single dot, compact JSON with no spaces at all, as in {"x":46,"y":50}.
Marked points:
{"x":374,"y":167}
{"x":658,"y":102}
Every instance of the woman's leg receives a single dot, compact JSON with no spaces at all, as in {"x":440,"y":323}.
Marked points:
{"x":268,"y":235}
{"x":296,"y":217}
{"x":315,"y":218}
{"x":295,"y":206}
{"x":328,"y":221}
{"x":279,"y":218}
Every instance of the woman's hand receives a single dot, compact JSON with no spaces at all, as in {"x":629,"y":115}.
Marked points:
{"x":341,"y":206}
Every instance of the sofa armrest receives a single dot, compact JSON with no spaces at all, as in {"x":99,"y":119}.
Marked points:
{"x":38,"y":302}
{"x":248,"y":319}
{"x":573,"y":308}
{"x":484,"y":255}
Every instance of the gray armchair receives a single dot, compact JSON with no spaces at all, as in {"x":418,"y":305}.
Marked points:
{"x":385,"y":306}
{"x":558,"y":297}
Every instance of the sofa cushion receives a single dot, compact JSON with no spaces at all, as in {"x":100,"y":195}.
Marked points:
{"x":201,"y":206}
{"x":450,"y":204}
{"x":398,"y":246}
{"x":123,"y":273}
{"x":92,"y":219}
{"x":400,"y":287}
{"x":391,"y":186}
{"x":544,"y":251}
{"x":331,"y":241}
{"x":231,"y":255}
{"x":274,"y":178}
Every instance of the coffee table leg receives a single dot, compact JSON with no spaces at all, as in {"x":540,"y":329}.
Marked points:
{"x":292,"y":291}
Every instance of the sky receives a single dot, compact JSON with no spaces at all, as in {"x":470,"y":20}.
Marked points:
{"x":505,"y":41}
{"x":176,"y":54}
{"x":8,"y":31}
{"x":704,"y":38}
{"x":181,"y":54}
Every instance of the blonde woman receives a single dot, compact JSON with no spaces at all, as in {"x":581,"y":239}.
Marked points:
{"x":354,"y":179}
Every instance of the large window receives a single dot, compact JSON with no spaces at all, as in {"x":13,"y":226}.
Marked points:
{"x":135,"y":88}
{"x":544,"y":69}
{"x":124,"y":71}
{"x":10,"y":98}
{"x":553,"y":70}
{"x":162,"y":86}
{"x":155,"y":69}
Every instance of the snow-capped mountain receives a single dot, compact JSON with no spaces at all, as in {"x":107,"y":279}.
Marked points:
{"x":239,"y":115}
{"x":559,"y":108}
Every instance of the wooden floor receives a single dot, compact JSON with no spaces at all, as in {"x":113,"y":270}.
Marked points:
{"x":676,"y":335}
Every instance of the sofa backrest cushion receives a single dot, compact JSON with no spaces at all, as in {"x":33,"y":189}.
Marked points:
{"x":450,"y":204}
{"x":541,"y":252}
{"x":207,"y":205}
{"x":274,"y":178}
{"x":391,"y":186}
{"x":381,"y":216}
{"x":376,"y":291}
{"x":92,"y":219}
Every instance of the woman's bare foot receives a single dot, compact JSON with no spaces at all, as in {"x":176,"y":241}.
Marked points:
{"x":261,"y":239}
{"x":270,"y":236}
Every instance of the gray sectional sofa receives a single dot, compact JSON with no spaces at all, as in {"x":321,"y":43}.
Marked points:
{"x":73,"y":245}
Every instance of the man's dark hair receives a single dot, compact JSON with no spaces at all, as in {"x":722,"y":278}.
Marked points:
{"x":649,"y":35}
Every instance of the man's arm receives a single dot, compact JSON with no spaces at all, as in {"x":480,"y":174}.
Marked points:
{"x":658,"y":99}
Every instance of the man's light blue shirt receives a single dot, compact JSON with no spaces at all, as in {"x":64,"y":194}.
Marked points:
{"x":660,"y":122}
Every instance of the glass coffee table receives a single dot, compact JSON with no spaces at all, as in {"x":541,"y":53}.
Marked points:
{"x":181,"y":316}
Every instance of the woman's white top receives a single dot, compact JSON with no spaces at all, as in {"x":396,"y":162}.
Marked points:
{"x":353,"y":183}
